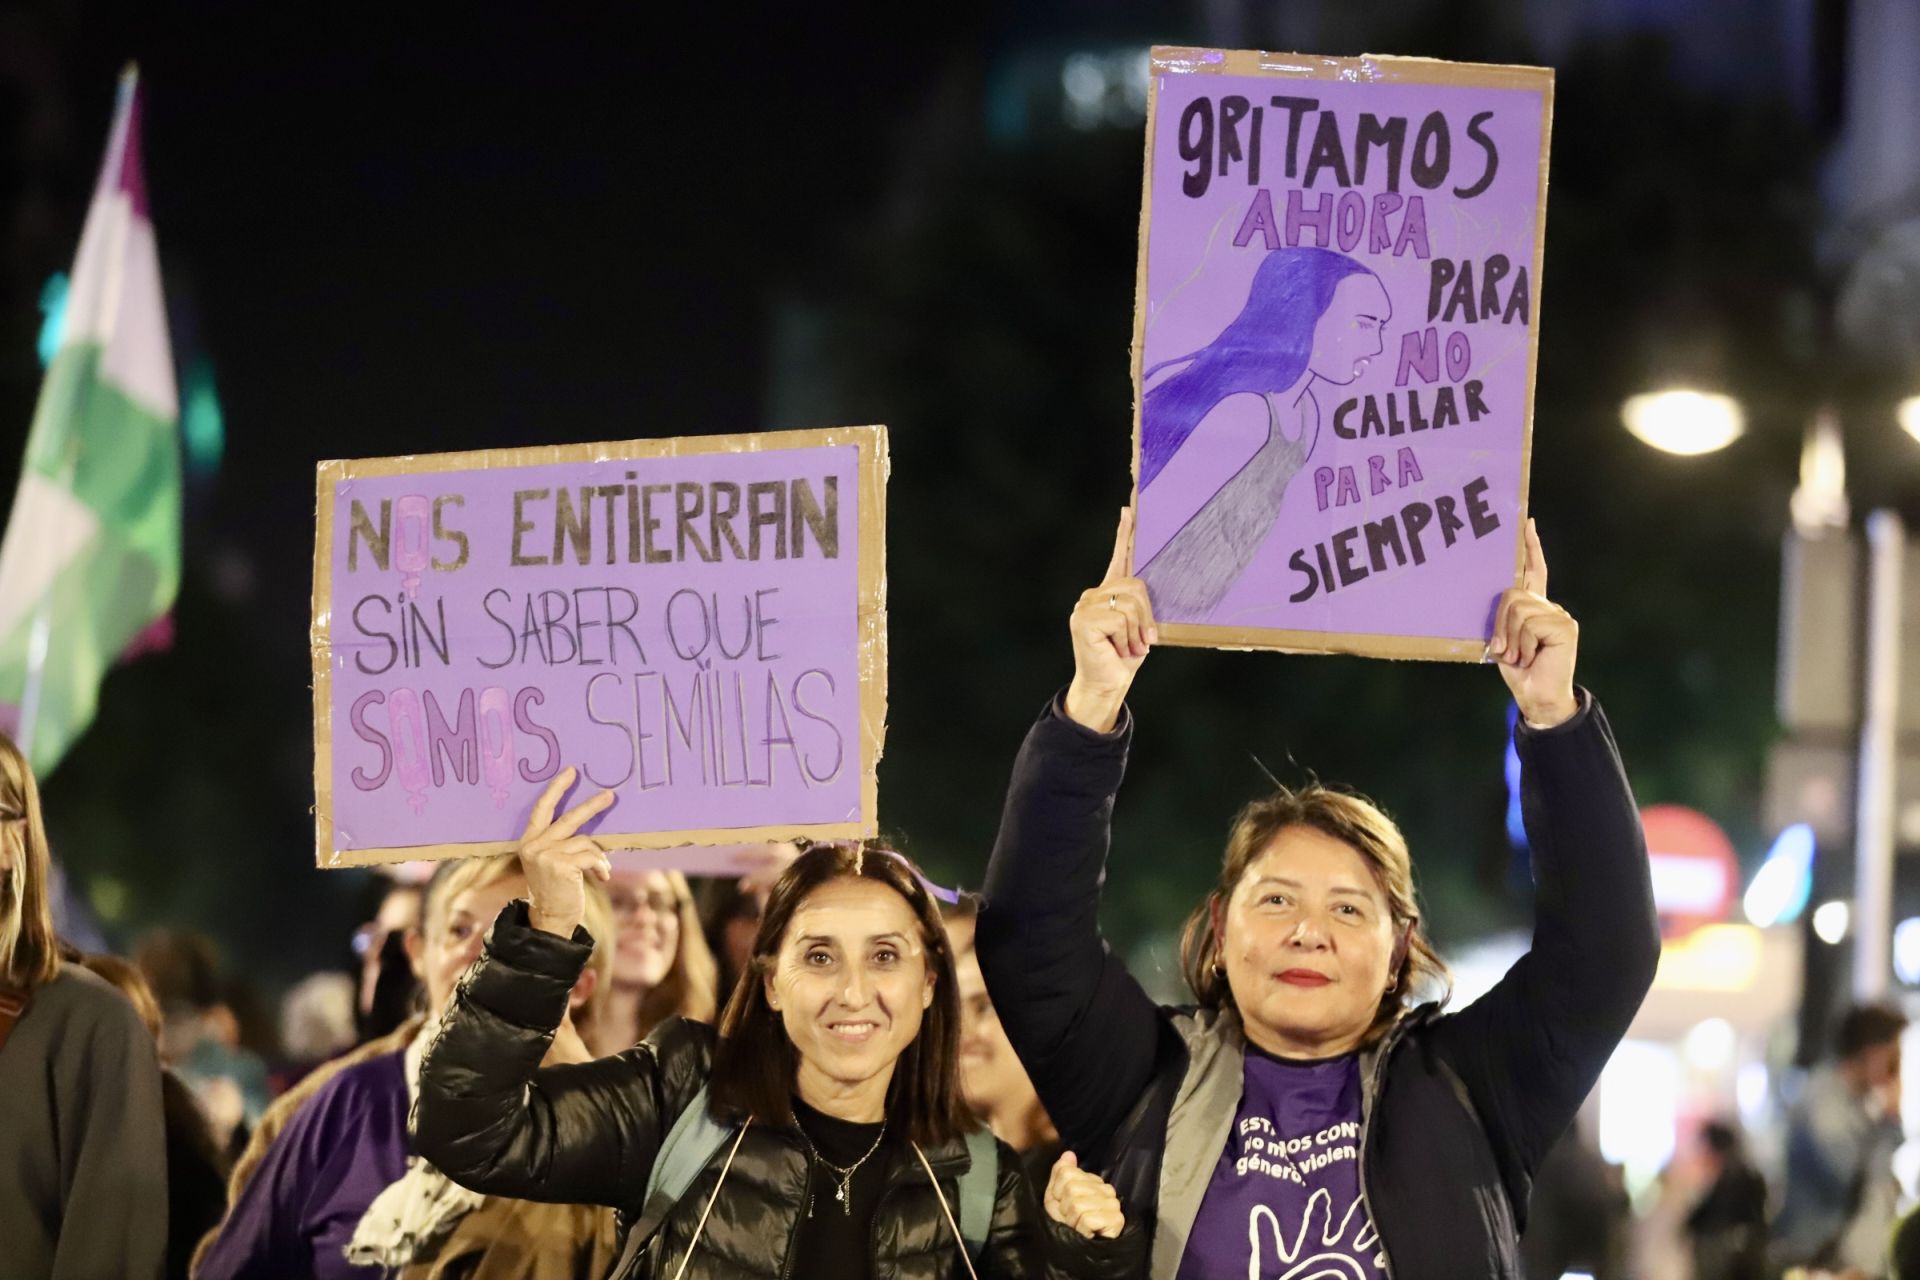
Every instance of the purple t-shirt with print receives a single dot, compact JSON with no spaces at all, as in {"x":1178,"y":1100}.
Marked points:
{"x":1284,"y":1201}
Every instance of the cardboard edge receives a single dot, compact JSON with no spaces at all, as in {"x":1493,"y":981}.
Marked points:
{"x":1374,"y":68}
{"x":1137,"y":357}
{"x":600,"y":451}
{"x":1200,"y":635}
{"x":874,"y":461}
{"x":320,"y":643}
{"x":611,"y":841}
{"x":1533,"y":331}
{"x":1377,"y":68}
{"x":871,"y":467}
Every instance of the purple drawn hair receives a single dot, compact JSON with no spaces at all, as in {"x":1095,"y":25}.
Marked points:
{"x":1263,"y":349}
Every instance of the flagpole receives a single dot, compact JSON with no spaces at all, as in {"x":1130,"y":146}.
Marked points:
{"x":37,"y":642}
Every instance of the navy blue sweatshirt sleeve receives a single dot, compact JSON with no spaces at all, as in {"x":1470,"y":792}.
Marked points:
{"x":1085,"y":1029}
{"x":1531,"y":1049}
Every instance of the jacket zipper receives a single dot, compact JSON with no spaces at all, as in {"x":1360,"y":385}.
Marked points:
{"x":793,"y":1232}
{"x":1379,"y":1072}
{"x":873,"y":1259}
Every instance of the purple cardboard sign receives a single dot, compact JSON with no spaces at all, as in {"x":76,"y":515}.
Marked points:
{"x":697,"y":625}
{"x":1334,"y":348}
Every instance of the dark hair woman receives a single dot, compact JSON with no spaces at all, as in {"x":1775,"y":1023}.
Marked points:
{"x":839,"y":1138}
{"x":83,"y":1154}
{"x":1303,"y":1103}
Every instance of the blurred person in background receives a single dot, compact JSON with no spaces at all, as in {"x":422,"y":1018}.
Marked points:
{"x":317,"y":1024}
{"x":1904,"y":1255}
{"x":661,"y":964}
{"x":1840,"y":1198}
{"x":201,"y":1033}
{"x":196,"y":1166}
{"x":730,"y":911}
{"x":388,"y":990}
{"x":996,"y":1085}
{"x":1726,"y":1229}
{"x":83,"y":1151}
{"x":335,"y":1193}
{"x":1579,"y":1217}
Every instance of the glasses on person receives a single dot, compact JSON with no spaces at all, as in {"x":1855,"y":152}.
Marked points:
{"x":628,"y":903}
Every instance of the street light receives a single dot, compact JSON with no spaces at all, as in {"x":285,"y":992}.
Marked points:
{"x":1831,"y":921}
{"x":1684,"y":421}
{"x":1909,"y":415}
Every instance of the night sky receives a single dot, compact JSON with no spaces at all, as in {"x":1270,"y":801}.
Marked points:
{"x":399,"y":234}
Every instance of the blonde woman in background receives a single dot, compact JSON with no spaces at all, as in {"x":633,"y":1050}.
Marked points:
{"x":83,"y":1164}
{"x":334,"y":1194}
{"x":997,"y":1087}
{"x":661,"y":965}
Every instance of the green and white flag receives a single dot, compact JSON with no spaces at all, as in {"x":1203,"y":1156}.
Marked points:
{"x":92,"y":548}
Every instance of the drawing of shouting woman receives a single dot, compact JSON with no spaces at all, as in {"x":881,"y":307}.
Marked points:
{"x":1312,"y":315}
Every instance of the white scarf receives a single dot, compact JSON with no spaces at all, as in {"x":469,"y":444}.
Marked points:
{"x":415,"y":1214}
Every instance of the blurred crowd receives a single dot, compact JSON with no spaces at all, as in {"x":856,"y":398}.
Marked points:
{"x":1835,"y":1209}
{"x":284,"y":1141}
{"x":283,"y":1145}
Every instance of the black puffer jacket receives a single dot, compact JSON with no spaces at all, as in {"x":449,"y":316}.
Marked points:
{"x":1458,"y":1108}
{"x":493,"y":1120}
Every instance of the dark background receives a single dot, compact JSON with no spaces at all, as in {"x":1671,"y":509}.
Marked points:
{"x":429,"y":230}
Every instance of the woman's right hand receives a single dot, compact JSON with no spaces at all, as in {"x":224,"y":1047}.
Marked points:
{"x":556,"y":858}
{"x":1082,"y":1200}
{"x":1112,"y":629}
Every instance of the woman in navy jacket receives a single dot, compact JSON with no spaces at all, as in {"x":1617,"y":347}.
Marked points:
{"x":1303,"y":1118}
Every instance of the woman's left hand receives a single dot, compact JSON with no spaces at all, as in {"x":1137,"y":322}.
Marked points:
{"x":1081,"y":1200}
{"x":1535,"y":642}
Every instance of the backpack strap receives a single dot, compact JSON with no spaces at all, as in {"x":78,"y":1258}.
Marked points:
{"x":13,"y":1007}
{"x":979,"y":1188}
{"x":695,"y":1138}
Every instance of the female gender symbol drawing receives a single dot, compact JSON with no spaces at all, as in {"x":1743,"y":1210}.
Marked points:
{"x":1312,"y":315}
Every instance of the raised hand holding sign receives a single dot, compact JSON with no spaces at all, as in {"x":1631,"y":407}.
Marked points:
{"x":1112,"y":628}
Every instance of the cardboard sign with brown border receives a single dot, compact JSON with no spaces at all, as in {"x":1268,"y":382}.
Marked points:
{"x":1335,"y":333}
{"x":697,"y":624}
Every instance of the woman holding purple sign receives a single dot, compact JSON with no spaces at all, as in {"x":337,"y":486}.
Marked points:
{"x":1303,"y":1117}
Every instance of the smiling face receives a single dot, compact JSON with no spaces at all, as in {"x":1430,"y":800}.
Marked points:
{"x":647,"y":917}
{"x":990,"y":1072}
{"x":850,"y":983}
{"x":1309,"y":945}
{"x":1352,"y":331}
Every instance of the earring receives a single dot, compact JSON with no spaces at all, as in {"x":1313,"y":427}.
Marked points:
{"x":1219,"y":971}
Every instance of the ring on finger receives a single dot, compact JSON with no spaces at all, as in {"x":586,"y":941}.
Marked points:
{"x":1113,"y":600}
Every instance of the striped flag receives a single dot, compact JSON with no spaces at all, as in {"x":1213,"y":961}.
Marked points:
{"x":92,"y":549}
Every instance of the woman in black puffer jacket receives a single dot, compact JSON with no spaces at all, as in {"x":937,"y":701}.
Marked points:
{"x":835,"y":1139}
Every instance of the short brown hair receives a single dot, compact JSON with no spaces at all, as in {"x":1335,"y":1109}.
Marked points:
{"x":754,"y":1062}
{"x":1357,"y":823}
{"x":1867,"y":1026}
{"x":29,"y":953}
